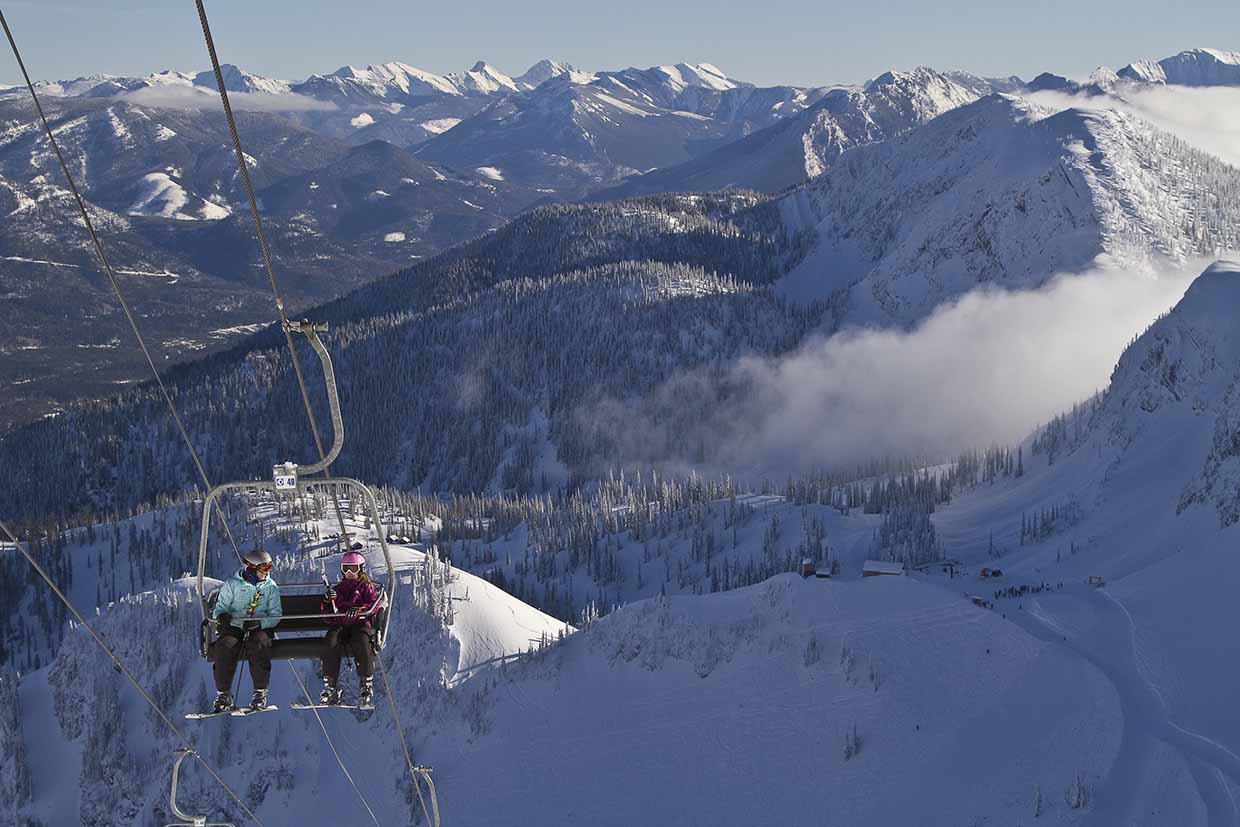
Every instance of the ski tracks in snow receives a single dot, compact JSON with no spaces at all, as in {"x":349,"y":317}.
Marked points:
{"x":1111,"y":648}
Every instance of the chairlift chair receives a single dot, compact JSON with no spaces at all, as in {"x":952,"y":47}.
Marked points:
{"x":301,"y":612}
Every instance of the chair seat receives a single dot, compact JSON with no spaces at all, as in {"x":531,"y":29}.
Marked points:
{"x":308,"y":646}
{"x":297,"y":648}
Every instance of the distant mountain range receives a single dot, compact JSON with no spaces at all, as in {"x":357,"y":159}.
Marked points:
{"x":805,"y":144}
{"x":504,"y":353}
{"x":1003,"y":193}
{"x":363,"y":170}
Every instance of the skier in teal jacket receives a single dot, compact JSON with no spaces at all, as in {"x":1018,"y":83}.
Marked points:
{"x":247,"y":606}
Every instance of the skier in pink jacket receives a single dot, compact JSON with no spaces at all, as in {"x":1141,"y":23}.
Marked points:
{"x":356,"y":597}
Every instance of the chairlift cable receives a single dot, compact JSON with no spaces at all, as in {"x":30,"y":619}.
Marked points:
{"x":107,"y":268}
{"x":418,"y":774}
{"x":279,"y":302}
{"x":244,"y":170}
{"x":124,"y":670}
{"x":340,"y":761}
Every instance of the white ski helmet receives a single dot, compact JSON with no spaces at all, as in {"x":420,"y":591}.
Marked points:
{"x":257,"y":557}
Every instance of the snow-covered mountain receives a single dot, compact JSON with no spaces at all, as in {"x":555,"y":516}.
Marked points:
{"x":393,"y":81}
{"x":483,"y":79}
{"x":997,"y":193}
{"x":1193,"y":67}
{"x":238,"y":80}
{"x":1137,"y":489}
{"x":805,"y":144}
{"x":492,"y":388}
{"x":380,"y":194}
{"x":159,"y":194}
{"x":789,"y":673}
{"x":1106,"y":709}
{"x":467,"y":625}
{"x":570,"y":136}
{"x":545,"y":70}
{"x":164,"y":186}
{"x":1003,"y":193}
{"x":151,"y":152}
{"x":165,"y":171}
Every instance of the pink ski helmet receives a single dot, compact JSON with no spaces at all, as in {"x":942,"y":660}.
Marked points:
{"x":353,"y":558}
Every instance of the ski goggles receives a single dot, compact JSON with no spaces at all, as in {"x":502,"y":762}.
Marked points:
{"x":263,"y":567}
{"x":356,"y":568}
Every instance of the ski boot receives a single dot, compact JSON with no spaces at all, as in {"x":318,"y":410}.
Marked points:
{"x":258,"y":703}
{"x":223,"y":702}
{"x":366,"y":693}
{"x":330,"y":694}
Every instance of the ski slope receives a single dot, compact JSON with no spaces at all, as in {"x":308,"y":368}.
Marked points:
{"x":708,"y":710}
{"x":1152,"y":463}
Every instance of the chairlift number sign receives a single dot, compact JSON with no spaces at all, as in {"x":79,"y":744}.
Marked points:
{"x":284,"y":479}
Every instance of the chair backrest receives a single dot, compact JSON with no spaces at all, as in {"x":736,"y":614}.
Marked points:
{"x":302,"y":604}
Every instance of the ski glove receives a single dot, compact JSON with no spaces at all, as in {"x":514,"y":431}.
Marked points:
{"x":252,"y":624}
{"x":224,"y":619}
{"x":353,"y":613}
{"x":330,"y":594}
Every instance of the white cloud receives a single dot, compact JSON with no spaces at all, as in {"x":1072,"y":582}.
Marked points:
{"x":1206,"y":117}
{"x":986,"y":369}
{"x":192,"y":97}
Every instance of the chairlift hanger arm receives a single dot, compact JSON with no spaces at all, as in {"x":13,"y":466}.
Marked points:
{"x":187,"y":820}
{"x":311,"y":331}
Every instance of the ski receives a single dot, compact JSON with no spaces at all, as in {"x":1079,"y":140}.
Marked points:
{"x":198,"y":716}
{"x":334,"y":706}
{"x":245,"y":710}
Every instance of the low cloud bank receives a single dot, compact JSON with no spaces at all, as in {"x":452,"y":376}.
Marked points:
{"x":1206,"y":117}
{"x":192,"y":97}
{"x":986,"y":369}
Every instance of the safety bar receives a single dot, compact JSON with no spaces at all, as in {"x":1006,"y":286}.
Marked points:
{"x":186,"y":819}
{"x":312,"y":331}
{"x":299,"y":617}
{"x":269,"y":485}
{"x":318,"y":585}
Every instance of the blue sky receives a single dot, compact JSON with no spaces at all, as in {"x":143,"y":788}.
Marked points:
{"x":803,"y":42}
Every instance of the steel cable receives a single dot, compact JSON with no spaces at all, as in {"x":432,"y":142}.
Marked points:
{"x":125,"y":671}
{"x":244,"y":170}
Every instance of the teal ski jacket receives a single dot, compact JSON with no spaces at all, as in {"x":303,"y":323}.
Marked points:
{"x":237,"y":595}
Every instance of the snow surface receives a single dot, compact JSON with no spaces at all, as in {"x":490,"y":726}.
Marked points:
{"x":160,"y":195}
{"x":736,"y":707}
{"x":685,"y":75}
{"x":1156,"y":494}
{"x":51,"y":756}
{"x":710,"y":710}
{"x":438,"y":126}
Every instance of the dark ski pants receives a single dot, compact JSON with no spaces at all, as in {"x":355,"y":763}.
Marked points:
{"x":348,"y":640}
{"x":230,"y":647}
